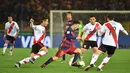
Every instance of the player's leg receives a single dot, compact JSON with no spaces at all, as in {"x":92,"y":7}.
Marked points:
{"x":24,"y":61}
{"x":41,"y":52}
{"x":59,"y":54}
{"x":12,"y":42}
{"x":110,"y":52}
{"x":77,"y":53}
{"x":34,"y":51}
{"x":95,"y":56}
{"x":63,"y":59}
{"x":5,"y":46}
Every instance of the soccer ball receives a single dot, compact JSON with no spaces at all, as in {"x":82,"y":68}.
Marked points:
{"x":82,"y":63}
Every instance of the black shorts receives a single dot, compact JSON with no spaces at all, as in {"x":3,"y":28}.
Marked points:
{"x":87,"y":44}
{"x":10,"y":38}
{"x":110,"y":49}
{"x":36,"y":47}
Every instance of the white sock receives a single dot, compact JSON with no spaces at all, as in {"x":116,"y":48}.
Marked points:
{"x":5,"y":47}
{"x":24,"y":61}
{"x":105,"y":60}
{"x":11,"y":48}
{"x":94,"y":58}
{"x":40,"y":53}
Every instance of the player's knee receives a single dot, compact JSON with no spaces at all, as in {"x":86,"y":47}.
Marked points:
{"x":45,"y":49}
{"x":95,"y":49}
{"x":83,"y":50}
{"x":98,"y":52}
{"x":55,"y":58}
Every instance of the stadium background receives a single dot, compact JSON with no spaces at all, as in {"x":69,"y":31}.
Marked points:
{"x":22,"y":10}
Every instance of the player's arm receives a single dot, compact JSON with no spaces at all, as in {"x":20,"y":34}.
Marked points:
{"x":32,"y":24}
{"x":101,"y":31}
{"x":5,"y":31}
{"x":84,"y":29}
{"x":17,"y":27}
{"x":123,"y":30}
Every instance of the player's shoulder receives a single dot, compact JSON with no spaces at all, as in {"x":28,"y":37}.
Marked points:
{"x":14,"y":22}
{"x":88,"y":24}
{"x":97,"y":23}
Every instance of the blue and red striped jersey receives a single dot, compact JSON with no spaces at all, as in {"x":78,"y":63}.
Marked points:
{"x":68,"y":39}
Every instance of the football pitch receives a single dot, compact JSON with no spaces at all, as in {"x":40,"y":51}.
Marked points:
{"x":119,"y":63}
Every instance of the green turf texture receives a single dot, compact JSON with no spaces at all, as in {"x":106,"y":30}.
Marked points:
{"x":119,"y":63}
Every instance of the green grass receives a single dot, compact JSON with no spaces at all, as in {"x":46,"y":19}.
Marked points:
{"x":119,"y":63}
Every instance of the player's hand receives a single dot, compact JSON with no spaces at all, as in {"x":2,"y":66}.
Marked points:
{"x":78,"y":38}
{"x":31,"y":20}
{"x":4,"y":37}
{"x":98,"y":28}
{"x":15,"y":37}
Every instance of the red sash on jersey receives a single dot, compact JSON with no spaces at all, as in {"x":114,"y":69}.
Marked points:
{"x":10,"y":28}
{"x":109,"y":26}
{"x":40,"y":39}
{"x":91,"y":34}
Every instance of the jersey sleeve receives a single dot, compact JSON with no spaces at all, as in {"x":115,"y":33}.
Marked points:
{"x":17,"y":27}
{"x":102,"y":30}
{"x":43,"y":30}
{"x":85,"y":28}
{"x":6,"y":27}
{"x":69,"y":35}
{"x":34,"y":27}
{"x":123,"y":30}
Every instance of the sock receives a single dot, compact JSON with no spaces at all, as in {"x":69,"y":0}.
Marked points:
{"x":94,"y":58}
{"x":105,"y":60}
{"x":63,"y":58}
{"x":76,"y":56}
{"x":5,"y":47}
{"x":40,"y":53}
{"x":11,"y":48}
{"x":48,"y":61}
{"x":24,"y":61}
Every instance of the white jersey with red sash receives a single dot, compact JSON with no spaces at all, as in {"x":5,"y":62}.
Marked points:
{"x":11,"y":28}
{"x":90,"y":31}
{"x":111,"y":32}
{"x":39,"y":33}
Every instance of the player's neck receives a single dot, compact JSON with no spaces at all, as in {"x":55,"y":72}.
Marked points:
{"x":10,"y":21}
{"x":69,"y":19}
{"x":42,"y":25}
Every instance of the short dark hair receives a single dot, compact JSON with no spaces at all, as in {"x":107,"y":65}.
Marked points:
{"x":110,"y":17}
{"x":44,"y":18}
{"x":69,"y":12}
{"x":91,"y":16}
{"x":76,"y":22}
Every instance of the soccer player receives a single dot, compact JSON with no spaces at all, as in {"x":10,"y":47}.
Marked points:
{"x":68,"y":23}
{"x":110,"y":31}
{"x":80,"y":30}
{"x":38,"y":49}
{"x":67,"y":45}
{"x":90,"y":39}
{"x":10,"y":33}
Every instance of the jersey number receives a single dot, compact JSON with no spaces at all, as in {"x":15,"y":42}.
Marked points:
{"x":111,"y":32}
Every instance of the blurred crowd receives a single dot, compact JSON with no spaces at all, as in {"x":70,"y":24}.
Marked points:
{"x":24,"y":9}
